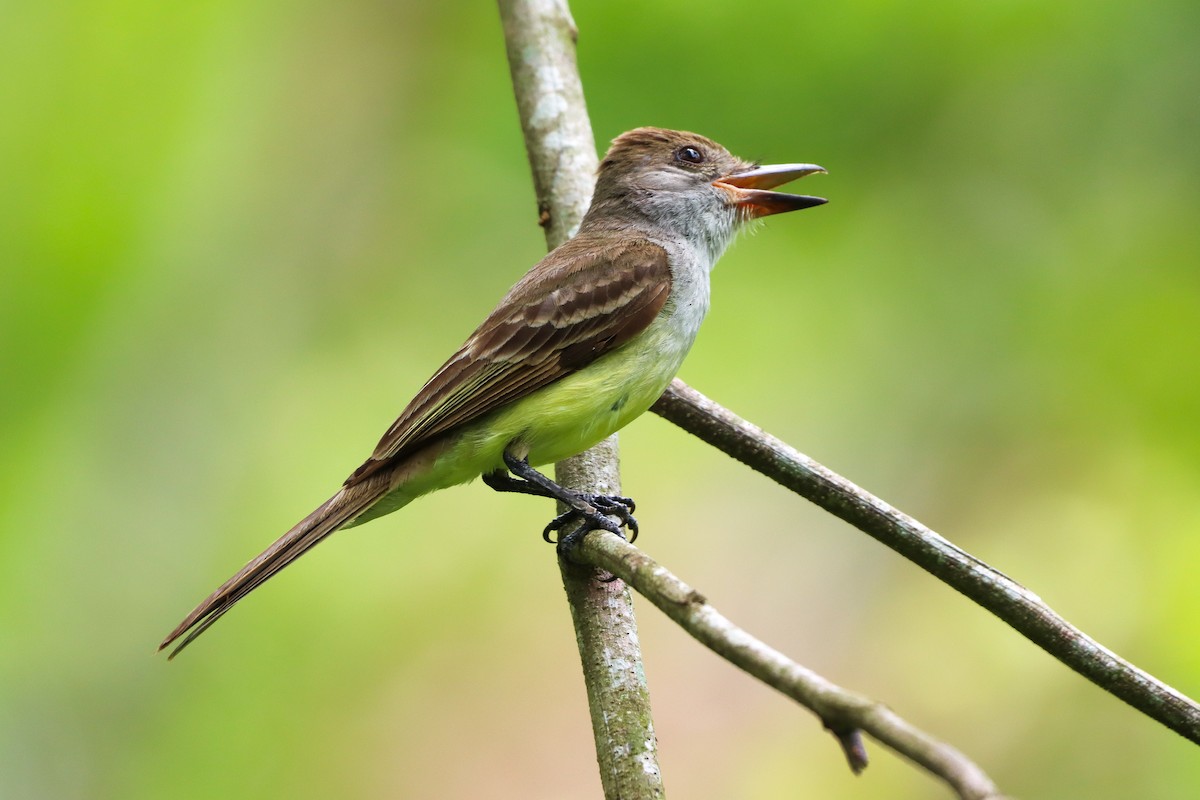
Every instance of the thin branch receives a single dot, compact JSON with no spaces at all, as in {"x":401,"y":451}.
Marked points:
{"x":842,"y":712}
{"x":606,"y":632}
{"x":540,"y":39}
{"x":993,"y":590}
{"x":539,"y":36}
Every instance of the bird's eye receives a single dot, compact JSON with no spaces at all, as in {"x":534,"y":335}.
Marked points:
{"x":691,"y":155}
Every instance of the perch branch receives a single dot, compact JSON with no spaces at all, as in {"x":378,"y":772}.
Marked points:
{"x":842,"y":712}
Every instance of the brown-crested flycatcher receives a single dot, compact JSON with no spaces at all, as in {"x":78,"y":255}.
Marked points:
{"x":581,"y":345}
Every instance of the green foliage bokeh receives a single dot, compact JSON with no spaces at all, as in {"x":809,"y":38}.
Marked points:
{"x":236,"y":237}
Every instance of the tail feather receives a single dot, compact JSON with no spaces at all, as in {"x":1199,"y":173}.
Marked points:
{"x":335,"y":512}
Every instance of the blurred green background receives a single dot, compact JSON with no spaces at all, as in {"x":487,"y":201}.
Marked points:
{"x":230,"y":235}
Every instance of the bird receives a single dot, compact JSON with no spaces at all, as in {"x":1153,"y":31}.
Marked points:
{"x":581,"y":345}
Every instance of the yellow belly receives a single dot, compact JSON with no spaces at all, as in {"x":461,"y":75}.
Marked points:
{"x":555,"y":422}
{"x":578,"y":411}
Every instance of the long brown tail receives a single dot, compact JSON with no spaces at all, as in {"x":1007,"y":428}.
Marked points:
{"x":335,"y":512}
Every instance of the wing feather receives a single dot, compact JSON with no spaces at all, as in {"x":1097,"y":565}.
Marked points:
{"x":602,"y":297}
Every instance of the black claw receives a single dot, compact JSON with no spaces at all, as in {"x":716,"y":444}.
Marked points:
{"x":631,"y":523}
{"x":612,"y":503}
{"x":606,"y":507}
{"x":557,"y":524}
{"x":620,"y":507}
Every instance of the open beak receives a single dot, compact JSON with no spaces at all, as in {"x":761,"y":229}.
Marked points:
{"x":750,"y":189}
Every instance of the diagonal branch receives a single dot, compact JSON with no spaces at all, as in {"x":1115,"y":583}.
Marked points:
{"x":1004,"y":597}
{"x":842,"y":712}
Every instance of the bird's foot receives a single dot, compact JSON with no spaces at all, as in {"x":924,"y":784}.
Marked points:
{"x":592,"y":511}
{"x":597,"y":514}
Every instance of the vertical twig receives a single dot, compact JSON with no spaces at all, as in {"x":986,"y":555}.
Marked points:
{"x":540,"y":39}
{"x":539,"y":36}
{"x":606,"y":632}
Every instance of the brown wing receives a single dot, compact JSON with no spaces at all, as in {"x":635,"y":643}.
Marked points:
{"x":580,"y":302}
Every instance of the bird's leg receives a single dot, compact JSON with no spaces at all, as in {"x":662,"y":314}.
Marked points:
{"x":501,"y":481}
{"x":594,"y":510}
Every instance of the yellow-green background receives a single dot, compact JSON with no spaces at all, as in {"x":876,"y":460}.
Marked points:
{"x":235,"y":237}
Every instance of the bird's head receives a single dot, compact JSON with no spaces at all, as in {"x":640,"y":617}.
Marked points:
{"x":686,"y":170}
{"x":688,"y":184}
